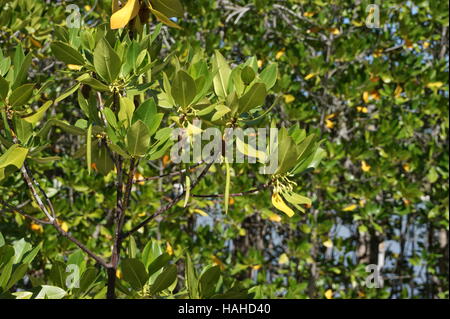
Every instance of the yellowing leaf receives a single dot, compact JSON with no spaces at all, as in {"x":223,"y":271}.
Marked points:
{"x":329,"y":124}
{"x":426,"y":44}
{"x":256,"y":267}
{"x":279,"y":204}
{"x":74,"y":67}
{"x":362,"y":109}
{"x":279,"y":54}
{"x":288,"y":98}
{"x":123,"y":16}
{"x":218,"y":262}
{"x":200,"y":212}
{"x":375,"y":95}
{"x":406,"y":167}
{"x":366,"y":96}
{"x":378,"y":53}
{"x":119,"y":274}
{"x":398,"y":91}
{"x":169,"y":249}
{"x":308,"y":14}
{"x":328,"y":243}
{"x":138,"y":177}
{"x":260,"y":63}
{"x":349,"y":208}
{"x":65,"y":226}
{"x":365,"y":167}
{"x":283,"y":260}
{"x":434,"y":85}
{"x":275,"y":218}
{"x":334,"y":31}
{"x":329,"y":294}
{"x":36,"y":227}
{"x":310,"y":76}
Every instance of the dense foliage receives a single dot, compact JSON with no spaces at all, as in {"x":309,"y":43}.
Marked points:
{"x":87,"y":111}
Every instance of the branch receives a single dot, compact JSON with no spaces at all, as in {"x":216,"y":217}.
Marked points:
{"x":252,"y":191}
{"x":21,"y":212}
{"x":165,"y":208}
{"x":168,"y":174}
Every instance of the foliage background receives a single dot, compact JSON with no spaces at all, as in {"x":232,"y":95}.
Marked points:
{"x":379,"y":97}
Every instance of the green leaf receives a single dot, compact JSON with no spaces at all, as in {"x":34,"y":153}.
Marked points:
{"x":18,"y":274}
{"x":287,"y":152}
{"x":68,"y":93}
{"x":32,"y":254}
{"x":50,"y":292}
{"x":208,"y":281}
{"x":36,"y":117}
{"x":183,"y":89}
{"x":93,"y":83}
{"x":223,"y":72}
{"x":227,"y":184}
{"x":58,"y":274}
{"x":110,"y":117}
{"x":187,"y":187}
{"x":23,"y":129}
{"x":66,"y":53}
{"x":132,"y":249}
{"x":6,"y":274}
{"x":160,"y":262}
{"x":269,"y":75}
{"x":191,"y":279}
{"x":134,"y":273}
{"x":15,"y":155}
{"x":87,"y":279}
{"x":106,"y":61}
{"x":138,"y":139}
{"x":164,"y":280}
{"x":170,"y":8}
{"x":126,"y":111}
{"x":4,"y":88}
{"x":21,"y":95}
{"x":254,"y":97}
{"x":22,"y":71}
{"x":151,"y":251}
{"x":89,"y":148}
{"x":247,"y":74}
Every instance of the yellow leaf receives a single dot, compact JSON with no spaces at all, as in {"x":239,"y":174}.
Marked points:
{"x":329,"y":294}
{"x":284,"y":259}
{"x":200,"y":212}
{"x":87,"y":7}
{"x":119,"y":274}
{"x":408,"y":44}
{"x":362,"y":202}
{"x":375,"y":95}
{"x":310,"y":76}
{"x":406,"y":167}
{"x":165,"y":160}
{"x":365,"y":167}
{"x":218,"y":262}
{"x":288,"y":98}
{"x":279,"y":54}
{"x":169,"y":249}
{"x":349,"y":208}
{"x":334,"y":31}
{"x":65,"y":226}
{"x":426,"y":44}
{"x":35,"y":42}
{"x":74,"y":67}
{"x":138,"y":177}
{"x":362,"y":109}
{"x":275,"y":218}
{"x":378,"y":53}
{"x":329,"y":124}
{"x":434,"y":85}
{"x":278,"y":202}
{"x":366,"y":96}
{"x":328,"y":243}
{"x":36,"y":227}
{"x":123,"y":16}
{"x":260,"y":63}
{"x":398,"y":91}
{"x":256,"y":267}
{"x":308,"y":14}
{"x":357,"y":23}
